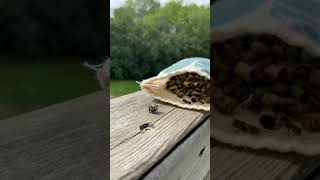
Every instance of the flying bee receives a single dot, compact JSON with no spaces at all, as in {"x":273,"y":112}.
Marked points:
{"x":153,"y":109}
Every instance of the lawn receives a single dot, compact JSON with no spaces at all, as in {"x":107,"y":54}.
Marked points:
{"x":31,"y":84}
{"x":28,"y":85}
{"x":123,"y":87}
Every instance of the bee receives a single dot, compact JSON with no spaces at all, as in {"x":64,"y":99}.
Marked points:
{"x":186,"y":101}
{"x":291,"y":126}
{"x":245,"y":127}
{"x":146,"y":125}
{"x":153,"y":109}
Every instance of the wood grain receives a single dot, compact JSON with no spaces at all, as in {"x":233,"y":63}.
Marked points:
{"x":184,"y":162}
{"x":63,"y":141}
{"x":133,"y":152}
{"x":228,"y":163}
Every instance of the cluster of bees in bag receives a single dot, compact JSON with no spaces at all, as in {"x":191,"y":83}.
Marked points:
{"x":190,"y":87}
{"x":263,"y":74}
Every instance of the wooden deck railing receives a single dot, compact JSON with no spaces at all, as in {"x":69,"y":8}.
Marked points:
{"x":168,"y":150}
{"x":62,"y":141}
{"x":68,"y":141}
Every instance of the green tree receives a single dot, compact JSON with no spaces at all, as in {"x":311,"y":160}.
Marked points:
{"x":146,"y":38}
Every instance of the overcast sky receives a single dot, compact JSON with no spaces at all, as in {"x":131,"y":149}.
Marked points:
{"x":118,"y":3}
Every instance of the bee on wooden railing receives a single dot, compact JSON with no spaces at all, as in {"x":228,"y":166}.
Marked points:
{"x":146,"y":125}
{"x":186,"y":101}
{"x":153,"y":109}
{"x":291,"y":127}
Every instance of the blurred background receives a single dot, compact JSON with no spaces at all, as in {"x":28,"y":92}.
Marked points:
{"x":150,"y":35}
{"x":42,"y":47}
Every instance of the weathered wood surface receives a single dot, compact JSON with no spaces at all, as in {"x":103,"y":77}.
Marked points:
{"x":207,"y":176}
{"x":63,"y":141}
{"x":230,"y":162}
{"x":133,"y":153}
{"x":187,"y":161}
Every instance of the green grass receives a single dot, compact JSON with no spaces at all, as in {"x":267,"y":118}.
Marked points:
{"x":29,"y":85}
{"x":123,"y":87}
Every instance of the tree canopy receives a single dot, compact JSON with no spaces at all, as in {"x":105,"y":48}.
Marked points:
{"x":147,"y":37}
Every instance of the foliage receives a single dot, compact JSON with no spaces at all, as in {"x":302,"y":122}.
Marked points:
{"x":33,"y":84}
{"x":147,"y":37}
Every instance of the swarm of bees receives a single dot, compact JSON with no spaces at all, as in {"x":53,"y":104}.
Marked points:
{"x":259,"y":72}
{"x":190,"y":87}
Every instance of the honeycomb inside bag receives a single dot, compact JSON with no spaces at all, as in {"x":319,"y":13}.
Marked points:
{"x":263,"y":74}
{"x":186,"y":83}
{"x":266,"y":74}
{"x":191,"y":87}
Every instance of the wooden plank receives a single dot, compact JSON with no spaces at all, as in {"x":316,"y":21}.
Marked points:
{"x":128,"y":112}
{"x":207,"y":176}
{"x":229,"y":162}
{"x":63,"y":141}
{"x":133,"y":152}
{"x":185,"y":161}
